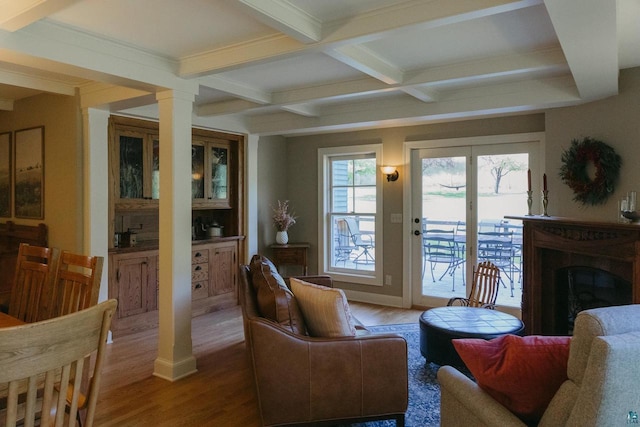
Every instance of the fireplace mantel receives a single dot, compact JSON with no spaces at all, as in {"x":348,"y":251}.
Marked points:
{"x":553,"y":243}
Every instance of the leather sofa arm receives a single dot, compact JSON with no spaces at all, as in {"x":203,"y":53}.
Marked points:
{"x":302,"y":379}
{"x":463,"y":403}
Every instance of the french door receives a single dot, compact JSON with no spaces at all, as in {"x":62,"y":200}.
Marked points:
{"x":460,"y":196}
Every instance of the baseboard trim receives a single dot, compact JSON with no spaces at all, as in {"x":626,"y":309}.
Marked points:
{"x":173,"y":371}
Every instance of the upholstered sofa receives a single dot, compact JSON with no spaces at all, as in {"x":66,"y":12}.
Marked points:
{"x":601,"y":389}
{"x":305,"y":380}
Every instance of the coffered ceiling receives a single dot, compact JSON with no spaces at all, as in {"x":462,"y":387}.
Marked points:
{"x":290,"y":67}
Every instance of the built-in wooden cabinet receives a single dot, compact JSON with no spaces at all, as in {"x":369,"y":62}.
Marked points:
{"x":133,"y":281}
{"x":224,"y":265}
{"x":217,"y":188}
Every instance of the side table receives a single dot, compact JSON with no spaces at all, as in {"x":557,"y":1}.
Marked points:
{"x":290,"y":254}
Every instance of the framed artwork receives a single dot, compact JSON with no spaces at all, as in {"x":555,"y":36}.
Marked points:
{"x":28,"y":179}
{"x":5,"y":175}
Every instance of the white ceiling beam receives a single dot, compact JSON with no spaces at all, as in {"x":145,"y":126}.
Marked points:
{"x":37,"y":83}
{"x":6,"y":104}
{"x":225,"y":107}
{"x":422,"y":93}
{"x":548,"y":60}
{"x":302,"y":110}
{"x":402,"y":111}
{"x":56,"y":48}
{"x":364,"y":60}
{"x":17,"y":14}
{"x":417,"y":83}
{"x":94,"y":95}
{"x":286,"y":18}
{"x":356,"y":30}
{"x":587,"y":31}
{"x":236,"y":89}
{"x":242,"y":54}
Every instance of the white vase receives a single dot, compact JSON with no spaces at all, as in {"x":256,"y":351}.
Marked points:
{"x":282,"y":237}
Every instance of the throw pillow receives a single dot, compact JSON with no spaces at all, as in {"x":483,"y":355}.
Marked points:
{"x":522,"y":373}
{"x":326,"y":310}
{"x":275,"y":301}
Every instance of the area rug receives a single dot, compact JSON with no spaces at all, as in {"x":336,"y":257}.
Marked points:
{"x":424,"y":391}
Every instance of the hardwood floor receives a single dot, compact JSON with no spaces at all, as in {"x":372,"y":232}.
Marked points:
{"x":219,"y":394}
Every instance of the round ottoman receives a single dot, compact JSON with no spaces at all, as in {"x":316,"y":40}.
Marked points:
{"x":439,"y":326}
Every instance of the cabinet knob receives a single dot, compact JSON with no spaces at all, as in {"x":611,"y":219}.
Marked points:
{"x":198,"y":286}
{"x":198,"y":268}
{"x":198,"y":254}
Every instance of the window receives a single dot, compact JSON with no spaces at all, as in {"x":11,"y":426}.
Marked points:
{"x":351,"y":199}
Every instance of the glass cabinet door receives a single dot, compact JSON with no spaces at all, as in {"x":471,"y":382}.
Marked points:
{"x":219,"y":160}
{"x":131,"y":170}
{"x":197,"y":171}
{"x":155,"y":169}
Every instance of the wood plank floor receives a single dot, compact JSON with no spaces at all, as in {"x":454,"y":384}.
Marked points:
{"x":221,"y":392}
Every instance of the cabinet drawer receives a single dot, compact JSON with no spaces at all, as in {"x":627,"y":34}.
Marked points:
{"x":200,"y":256}
{"x":290,"y":256}
{"x":199,"y":272}
{"x":199,"y":290}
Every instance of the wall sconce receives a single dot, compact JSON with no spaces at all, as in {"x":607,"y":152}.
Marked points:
{"x":391,"y":172}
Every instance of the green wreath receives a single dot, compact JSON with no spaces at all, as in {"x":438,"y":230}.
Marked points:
{"x":574,"y":170}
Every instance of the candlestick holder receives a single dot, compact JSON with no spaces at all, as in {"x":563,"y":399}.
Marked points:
{"x":545,"y":202}
{"x":529,"y":201}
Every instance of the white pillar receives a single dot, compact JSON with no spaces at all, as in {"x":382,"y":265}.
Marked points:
{"x":251,"y":178}
{"x":175,"y":356}
{"x":96,"y":189}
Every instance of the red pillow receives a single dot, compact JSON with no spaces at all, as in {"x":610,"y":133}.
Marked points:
{"x":522,"y":373}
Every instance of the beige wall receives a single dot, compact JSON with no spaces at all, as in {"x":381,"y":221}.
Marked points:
{"x":615,"y":121}
{"x":60,"y":117}
{"x":303,"y":182}
{"x":272,"y":186}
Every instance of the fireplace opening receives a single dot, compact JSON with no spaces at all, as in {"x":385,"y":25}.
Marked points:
{"x":581,"y":288}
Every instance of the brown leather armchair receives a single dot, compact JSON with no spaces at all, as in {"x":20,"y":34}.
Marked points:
{"x":302,"y":380}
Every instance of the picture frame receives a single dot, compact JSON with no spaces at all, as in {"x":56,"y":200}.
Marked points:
{"x":28,"y":178}
{"x":5,"y":175}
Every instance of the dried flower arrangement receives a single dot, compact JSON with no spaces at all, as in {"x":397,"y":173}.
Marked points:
{"x":282,"y":219}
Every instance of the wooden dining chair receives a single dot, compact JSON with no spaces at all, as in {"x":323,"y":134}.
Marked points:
{"x":484,"y":288}
{"x":35,"y":268}
{"x":76,"y":285}
{"x":37,"y":357}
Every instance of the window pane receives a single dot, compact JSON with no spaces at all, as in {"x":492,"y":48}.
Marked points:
{"x":353,"y":242}
{"x":341,"y":172}
{"x":365,"y":199}
{"x":364,"y":172}
{"x":342,"y":200}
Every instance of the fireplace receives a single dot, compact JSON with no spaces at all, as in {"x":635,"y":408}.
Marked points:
{"x":570,"y":265}
{"x":581,"y":288}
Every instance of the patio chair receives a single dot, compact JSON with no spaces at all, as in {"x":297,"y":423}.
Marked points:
{"x":484,"y":289}
{"x":497,"y":247}
{"x":439,"y":247}
{"x":344,"y":245}
{"x":363,"y":241}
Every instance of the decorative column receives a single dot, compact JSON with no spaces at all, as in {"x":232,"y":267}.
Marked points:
{"x":175,"y":354}
{"x":96,"y":189}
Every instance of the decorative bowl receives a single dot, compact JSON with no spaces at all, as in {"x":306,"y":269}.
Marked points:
{"x":632,"y":215}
